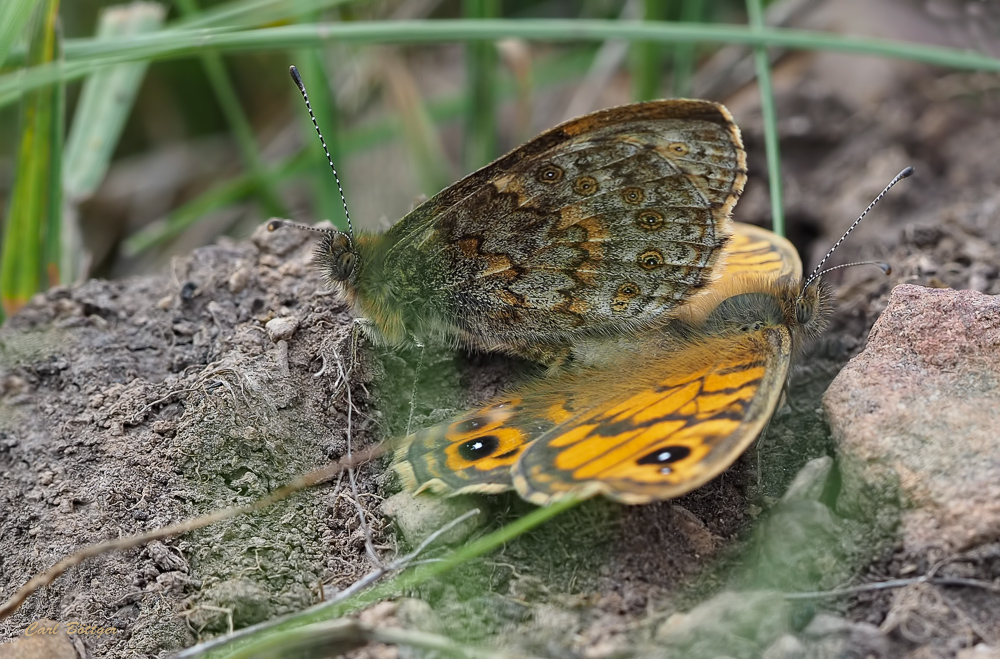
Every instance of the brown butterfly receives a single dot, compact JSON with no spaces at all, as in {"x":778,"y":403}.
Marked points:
{"x":603,"y":225}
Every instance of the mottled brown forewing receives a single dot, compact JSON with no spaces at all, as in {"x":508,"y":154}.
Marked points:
{"x":604,"y":224}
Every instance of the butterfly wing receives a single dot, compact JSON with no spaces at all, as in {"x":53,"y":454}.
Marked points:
{"x":669,"y":422}
{"x":602,"y":224}
{"x":663,"y":422}
{"x":757,"y":251}
{"x":475,"y":452}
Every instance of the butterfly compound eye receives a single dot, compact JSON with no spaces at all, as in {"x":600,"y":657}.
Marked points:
{"x":805,"y":305}
{"x":336,"y":256}
{"x":345,"y":265}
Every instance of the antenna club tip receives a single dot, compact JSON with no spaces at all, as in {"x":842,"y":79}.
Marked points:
{"x":294,"y":72}
{"x":886,"y":268}
{"x":907,"y":172}
{"x":274,"y":225}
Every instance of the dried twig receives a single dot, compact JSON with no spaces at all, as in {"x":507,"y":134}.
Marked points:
{"x":896,"y":583}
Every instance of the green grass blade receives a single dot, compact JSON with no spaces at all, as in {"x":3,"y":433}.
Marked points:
{"x":254,"y":13}
{"x":35,"y":202}
{"x":647,"y":56}
{"x":231,"y":16}
{"x":14,"y":15}
{"x":178,"y":43}
{"x":229,"y":102}
{"x":755,"y":12}
{"x":481,"y":71}
{"x":245,"y":648}
{"x":105,"y":102}
{"x":61,"y":254}
{"x":91,"y":55}
{"x":692,"y":11}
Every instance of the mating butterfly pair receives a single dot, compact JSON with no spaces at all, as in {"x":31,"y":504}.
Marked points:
{"x":604,"y":248}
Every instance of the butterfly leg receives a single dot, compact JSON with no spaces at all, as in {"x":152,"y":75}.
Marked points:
{"x":784,"y":398}
{"x":416,"y":376}
{"x":556,"y":359}
{"x":359,"y":328}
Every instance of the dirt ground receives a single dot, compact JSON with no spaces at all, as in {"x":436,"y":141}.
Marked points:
{"x":128,"y":405}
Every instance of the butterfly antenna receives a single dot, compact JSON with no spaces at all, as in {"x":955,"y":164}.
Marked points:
{"x":276,"y":224}
{"x":881,"y":265}
{"x":305,"y":97}
{"x":818,"y":270}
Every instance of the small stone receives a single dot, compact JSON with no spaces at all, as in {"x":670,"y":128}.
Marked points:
{"x":382,"y":614}
{"x":246,"y":599}
{"x":749,"y":620}
{"x":417,"y":614}
{"x":277,"y":243}
{"x":173,"y":582}
{"x":184,"y":328}
{"x":281,"y":329}
{"x":239,"y":279}
{"x":786,"y":647}
{"x":864,"y":639}
{"x":165,"y":559}
{"x":417,"y":516}
{"x":979,"y":651}
{"x":165,"y":428}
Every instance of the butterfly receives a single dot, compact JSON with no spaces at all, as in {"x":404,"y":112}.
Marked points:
{"x":604,"y":225}
{"x":651,"y":418}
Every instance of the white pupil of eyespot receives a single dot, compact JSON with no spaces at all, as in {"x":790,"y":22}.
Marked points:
{"x":477,"y":445}
{"x":663,"y":457}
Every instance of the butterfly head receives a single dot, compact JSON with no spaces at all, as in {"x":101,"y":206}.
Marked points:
{"x":810,"y":309}
{"x":336,"y":253}
{"x":337,"y":257}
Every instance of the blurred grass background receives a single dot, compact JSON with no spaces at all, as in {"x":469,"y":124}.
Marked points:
{"x":171,"y":123}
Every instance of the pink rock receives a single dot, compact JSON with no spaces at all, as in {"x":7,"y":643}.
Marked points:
{"x":916,"y":419}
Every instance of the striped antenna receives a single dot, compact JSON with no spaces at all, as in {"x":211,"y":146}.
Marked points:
{"x":818,"y":270}
{"x":305,"y":97}
{"x":881,"y":265}
{"x":276,"y":224}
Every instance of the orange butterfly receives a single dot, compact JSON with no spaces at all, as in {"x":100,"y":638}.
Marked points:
{"x":657,"y":416}
{"x":650,"y":418}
